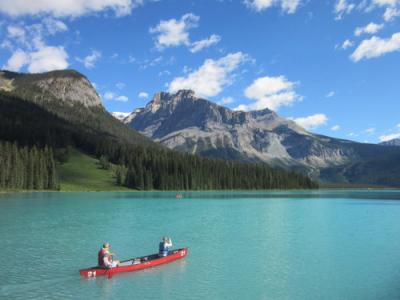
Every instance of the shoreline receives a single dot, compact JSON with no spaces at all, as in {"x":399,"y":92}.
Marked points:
{"x":198,"y":191}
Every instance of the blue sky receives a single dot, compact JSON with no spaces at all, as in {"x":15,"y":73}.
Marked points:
{"x":333,"y":66}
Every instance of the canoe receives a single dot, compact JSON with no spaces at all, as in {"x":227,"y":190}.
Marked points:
{"x":135,"y":264}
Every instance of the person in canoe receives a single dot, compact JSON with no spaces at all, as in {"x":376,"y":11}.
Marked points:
{"x":165,"y":246}
{"x":105,"y":257}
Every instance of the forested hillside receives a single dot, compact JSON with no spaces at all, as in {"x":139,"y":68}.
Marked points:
{"x":141,"y":164}
{"x":27,"y":168}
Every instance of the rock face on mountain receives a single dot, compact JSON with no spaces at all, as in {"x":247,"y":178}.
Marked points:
{"x":69,"y":97}
{"x":394,"y":142}
{"x":67,"y":86}
{"x":187,"y":123}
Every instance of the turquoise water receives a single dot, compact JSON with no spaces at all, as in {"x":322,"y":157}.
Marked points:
{"x":271,"y":245}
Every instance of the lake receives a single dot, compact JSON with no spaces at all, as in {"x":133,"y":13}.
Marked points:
{"x":326,"y":244}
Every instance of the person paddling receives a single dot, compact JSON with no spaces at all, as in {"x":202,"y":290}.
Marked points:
{"x":165,"y":246}
{"x":105,"y":258}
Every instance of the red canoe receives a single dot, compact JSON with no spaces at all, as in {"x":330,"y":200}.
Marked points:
{"x":135,"y":264}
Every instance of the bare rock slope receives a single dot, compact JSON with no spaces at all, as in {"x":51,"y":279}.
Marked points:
{"x":187,"y":123}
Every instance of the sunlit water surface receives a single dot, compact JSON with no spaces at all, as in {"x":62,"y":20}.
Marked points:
{"x":242,"y":245}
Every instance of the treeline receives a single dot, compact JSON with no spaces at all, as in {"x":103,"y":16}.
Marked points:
{"x":168,"y":170}
{"x":146,"y":167}
{"x":27,"y":168}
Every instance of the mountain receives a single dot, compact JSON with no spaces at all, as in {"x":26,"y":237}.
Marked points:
{"x":187,"y":123}
{"x":120,"y":115}
{"x":394,"y":142}
{"x":65,"y":97}
{"x":46,"y":117}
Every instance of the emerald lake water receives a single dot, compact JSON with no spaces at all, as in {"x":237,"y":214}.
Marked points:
{"x":242,"y":245}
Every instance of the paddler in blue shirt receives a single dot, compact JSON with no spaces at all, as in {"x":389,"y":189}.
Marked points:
{"x":165,"y":246}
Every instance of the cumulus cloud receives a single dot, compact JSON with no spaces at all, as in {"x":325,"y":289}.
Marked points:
{"x":200,"y":45}
{"x":113,"y":96}
{"x":32,"y":51}
{"x":375,"y":47}
{"x":48,"y":58}
{"x":389,"y":137}
{"x":270,"y":92}
{"x":347,"y":44}
{"x":120,"y":85}
{"x":288,"y":6}
{"x":209,"y":79}
{"x":335,"y":127}
{"x":66,"y":8}
{"x":109,"y":95}
{"x":16,"y":32}
{"x":45,"y":59}
{"x":143,"y":95}
{"x":53,"y":26}
{"x":330,"y":94}
{"x":343,"y":7}
{"x":172,"y":33}
{"x":390,"y":14}
{"x":90,"y":60}
{"x":371,"y":28}
{"x":122,"y":98}
{"x":312,"y":122}
{"x":17,"y":60}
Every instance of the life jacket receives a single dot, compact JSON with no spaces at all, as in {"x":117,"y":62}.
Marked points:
{"x":100,"y":257}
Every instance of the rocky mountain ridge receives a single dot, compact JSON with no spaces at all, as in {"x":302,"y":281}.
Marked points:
{"x":67,"y":86}
{"x":394,"y":142}
{"x":187,"y":123}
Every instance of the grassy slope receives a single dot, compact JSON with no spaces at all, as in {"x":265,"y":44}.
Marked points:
{"x":83,"y":173}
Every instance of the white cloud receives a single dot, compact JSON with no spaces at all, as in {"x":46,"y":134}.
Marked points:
{"x":335,"y":128}
{"x":288,"y":6}
{"x":48,"y":58}
{"x":122,"y":98}
{"x":270,"y":92}
{"x":45,"y":59}
{"x":347,"y":44}
{"x":343,"y":7}
{"x":375,"y":47}
{"x":330,"y":94}
{"x":398,"y":125}
{"x":226,"y":100}
{"x":109,"y":95}
{"x":385,"y":2}
{"x":53,"y":26}
{"x":370,"y":130}
{"x":209,"y":79}
{"x":172,"y":33}
{"x":390,"y":13}
{"x":200,"y":45}
{"x":16,"y":32}
{"x":143,"y":95}
{"x":120,"y":85}
{"x":113,"y":96}
{"x":312,"y":122}
{"x":389,"y":137}
{"x":352,"y":134}
{"x":90,"y":60}
{"x":371,"y":28}
{"x":65,"y":8}
{"x":18,"y":59}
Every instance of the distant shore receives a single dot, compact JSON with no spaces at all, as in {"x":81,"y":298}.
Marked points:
{"x":324,"y":187}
